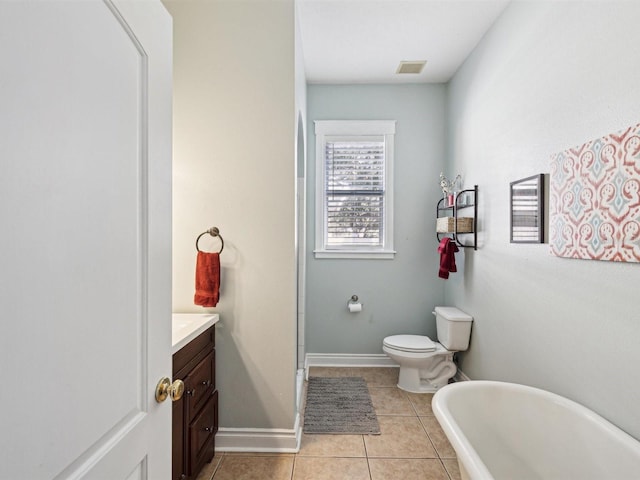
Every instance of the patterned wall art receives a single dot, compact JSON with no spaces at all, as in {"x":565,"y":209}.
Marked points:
{"x":594,"y":199}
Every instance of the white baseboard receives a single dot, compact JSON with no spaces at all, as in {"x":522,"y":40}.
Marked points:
{"x":460,"y":376}
{"x":358,"y":360}
{"x":347,"y":360}
{"x":269,"y":440}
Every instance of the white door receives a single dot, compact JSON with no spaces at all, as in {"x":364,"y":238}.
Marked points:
{"x":85,"y":239}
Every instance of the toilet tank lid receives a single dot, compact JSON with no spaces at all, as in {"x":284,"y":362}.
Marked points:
{"x":453,"y":314}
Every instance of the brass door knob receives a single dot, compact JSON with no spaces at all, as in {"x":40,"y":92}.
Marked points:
{"x":166,"y":389}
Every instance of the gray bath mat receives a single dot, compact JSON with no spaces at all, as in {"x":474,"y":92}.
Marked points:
{"x":340,"y":406}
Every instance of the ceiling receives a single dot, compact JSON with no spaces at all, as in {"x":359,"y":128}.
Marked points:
{"x":363,"y":41}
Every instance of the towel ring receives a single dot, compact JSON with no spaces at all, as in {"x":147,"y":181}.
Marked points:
{"x":214,"y":232}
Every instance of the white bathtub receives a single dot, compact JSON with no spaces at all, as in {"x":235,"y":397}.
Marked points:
{"x":514,"y":432}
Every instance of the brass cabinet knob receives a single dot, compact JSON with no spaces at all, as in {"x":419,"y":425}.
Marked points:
{"x":166,"y":389}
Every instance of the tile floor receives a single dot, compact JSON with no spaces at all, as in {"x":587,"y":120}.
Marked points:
{"x":412,"y":445}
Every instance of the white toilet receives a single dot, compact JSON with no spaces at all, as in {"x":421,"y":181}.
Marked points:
{"x":426,"y":365}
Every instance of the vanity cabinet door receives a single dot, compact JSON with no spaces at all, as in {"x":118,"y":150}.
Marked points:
{"x":199,"y":384}
{"x":201,"y":434}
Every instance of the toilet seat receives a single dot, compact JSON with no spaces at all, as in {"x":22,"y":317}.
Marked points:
{"x":410,"y":343}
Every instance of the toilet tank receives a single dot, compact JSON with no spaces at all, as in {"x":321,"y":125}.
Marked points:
{"x":454,"y":328}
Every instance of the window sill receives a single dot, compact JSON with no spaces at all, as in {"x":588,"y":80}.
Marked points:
{"x":356,"y":254}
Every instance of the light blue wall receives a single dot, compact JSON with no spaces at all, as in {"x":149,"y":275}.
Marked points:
{"x":547,"y":77}
{"x":399,"y":294}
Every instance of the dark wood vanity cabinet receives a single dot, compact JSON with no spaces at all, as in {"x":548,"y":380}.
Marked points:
{"x":195,"y":415}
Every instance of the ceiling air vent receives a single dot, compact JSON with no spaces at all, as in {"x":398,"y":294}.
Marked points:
{"x":411,"y":67}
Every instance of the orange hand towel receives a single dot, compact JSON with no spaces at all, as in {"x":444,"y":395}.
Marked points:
{"x":207,"y":279}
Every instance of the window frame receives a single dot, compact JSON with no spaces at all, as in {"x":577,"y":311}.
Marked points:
{"x":326,"y":129}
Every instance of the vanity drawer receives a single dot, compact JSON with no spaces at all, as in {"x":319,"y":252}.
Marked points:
{"x":199,"y":384}
{"x":187,"y":357}
{"x":202,"y":434}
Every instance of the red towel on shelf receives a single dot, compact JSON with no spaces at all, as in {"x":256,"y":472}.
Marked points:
{"x":207,"y":279}
{"x":447,"y":250}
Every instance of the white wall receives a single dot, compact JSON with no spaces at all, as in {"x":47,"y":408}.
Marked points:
{"x":548,"y":76}
{"x":234,"y":167}
{"x":398,"y":295}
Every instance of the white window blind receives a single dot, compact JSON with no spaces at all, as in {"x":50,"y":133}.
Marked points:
{"x":354,"y":200}
{"x":355,"y":187}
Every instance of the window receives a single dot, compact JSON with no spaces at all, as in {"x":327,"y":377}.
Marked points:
{"x":354,"y":189}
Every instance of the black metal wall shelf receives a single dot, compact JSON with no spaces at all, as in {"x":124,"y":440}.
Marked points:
{"x":461,"y":202}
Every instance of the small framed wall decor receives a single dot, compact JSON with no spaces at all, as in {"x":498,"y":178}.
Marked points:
{"x":527,"y":210}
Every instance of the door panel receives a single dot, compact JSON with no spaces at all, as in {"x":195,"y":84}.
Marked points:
{"x":85,"y":173}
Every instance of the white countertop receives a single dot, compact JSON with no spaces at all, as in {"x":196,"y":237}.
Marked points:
{"x":187,"y":326}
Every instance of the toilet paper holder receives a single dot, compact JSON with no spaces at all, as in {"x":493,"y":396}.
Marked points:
{"x":353,"y":305}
